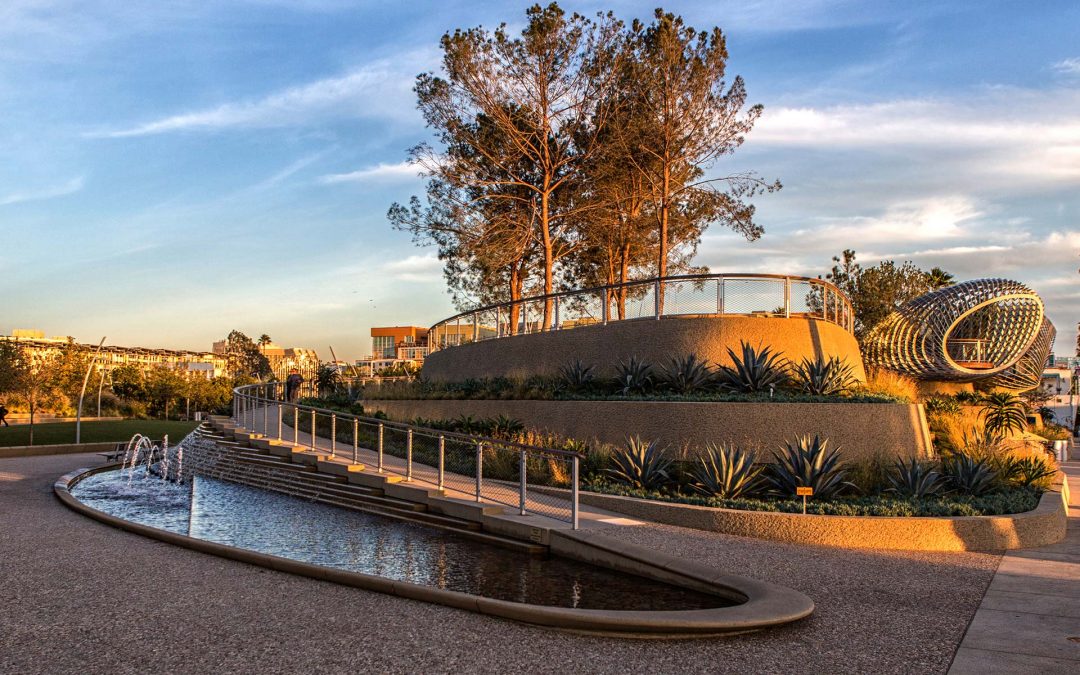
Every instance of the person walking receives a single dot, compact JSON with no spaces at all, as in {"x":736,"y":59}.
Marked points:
{"x":292,"y":385}
{"x":3,"y":415}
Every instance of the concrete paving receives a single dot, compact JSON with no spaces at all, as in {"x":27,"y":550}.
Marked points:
{"x":80,"y":597}
{"x":1029,"y":619}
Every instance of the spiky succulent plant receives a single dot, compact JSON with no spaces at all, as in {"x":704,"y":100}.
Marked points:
{"x":809,"y":463}
{"x":753,"y":371}
{"x":642,"y":465}
{"x":823,"y":377}
{"x":727,"y":472}
{"x":915,"y":479}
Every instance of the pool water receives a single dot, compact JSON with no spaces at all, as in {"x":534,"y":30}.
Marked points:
{"x":290,"y":527}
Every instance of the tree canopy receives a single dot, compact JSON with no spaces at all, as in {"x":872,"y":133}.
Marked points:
{"x":579,"y":150}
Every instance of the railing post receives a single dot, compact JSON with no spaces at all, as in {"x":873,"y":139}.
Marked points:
{"x":295,"y":425}
{"x":355,"y":440}
{"x":333,"y":434}
{"x":380,"y":449}
{"x":279,"y":422}
{"x":498,"y":321}
{"x":442,"y":460}
{"x":787,"y":297}
{"x":408,"y":454}
{"x":656,"y":298}
{"x":479,"y":469}
{"x":266,"y":416}
{"x":475,"y":327}
{"x":524,"y":318}
{"x":605,"y":305}
{"x":523,"y":480}
{"x":312,"y":429}
{"x":574,"y":492}
{"x":557,"y":322}
{"x":825,"y":303}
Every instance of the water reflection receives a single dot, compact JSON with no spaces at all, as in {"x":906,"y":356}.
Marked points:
{"x":289,"y":527}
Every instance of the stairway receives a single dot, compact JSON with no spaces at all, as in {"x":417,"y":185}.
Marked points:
{"x":239,"y":462}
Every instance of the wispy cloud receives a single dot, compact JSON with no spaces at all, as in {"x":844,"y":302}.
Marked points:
{"x":415,"y":268}
{"x":1069,"y":66}
{"x":70,"y":187}
{"x":399,"y":171}
{"x":380,"y":89}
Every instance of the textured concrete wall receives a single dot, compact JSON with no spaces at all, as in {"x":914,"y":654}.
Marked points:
{"x":654,"y":341}
{"x":1045,"y":525}
{"x":862,"y":430}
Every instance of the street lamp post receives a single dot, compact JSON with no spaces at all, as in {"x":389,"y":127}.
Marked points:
{"x":82,"y":394}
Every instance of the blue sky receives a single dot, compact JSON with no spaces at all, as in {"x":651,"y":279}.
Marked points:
{"x":174,"y":169}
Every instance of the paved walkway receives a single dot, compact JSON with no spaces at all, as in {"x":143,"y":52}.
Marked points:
{"x":82,"y":597}
{"x":1029,"y":619}
{"x":546,"y":510}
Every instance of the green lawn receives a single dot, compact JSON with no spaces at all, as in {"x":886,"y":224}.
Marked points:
{"x":94,"y":432}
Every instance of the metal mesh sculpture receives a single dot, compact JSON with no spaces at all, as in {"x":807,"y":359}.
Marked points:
{"x":990,"y":331}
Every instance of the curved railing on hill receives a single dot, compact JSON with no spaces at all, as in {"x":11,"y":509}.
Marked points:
{"x":767,"y":295}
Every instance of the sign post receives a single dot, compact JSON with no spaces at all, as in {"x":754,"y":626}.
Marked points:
{"x":804,"y":492}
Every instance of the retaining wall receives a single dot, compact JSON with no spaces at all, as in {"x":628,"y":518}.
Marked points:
{"x":654,"y":341}
{"x":1040,"y":527}
{"x":862,"y":430}
{"x":63,"y":449}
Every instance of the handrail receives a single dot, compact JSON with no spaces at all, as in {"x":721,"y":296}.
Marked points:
{"x":248,"y":398}
{"x":820,"y":299}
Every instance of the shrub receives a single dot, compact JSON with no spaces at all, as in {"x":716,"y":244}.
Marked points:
{"x":754,"y":371}
{"x":968,"y":397}
{"x":969,"y":476}
{"x":726,"y":472}
{"x":576,"y":376}
{"x":942,"y":405}
{"x":915,"y":479}
{"x":1034,"y":472}
{"x":807,"y":463}
{"x":634,"y":377}
{"x":641,"y":465}
{"x":1002,"y":413}
{"x":823,"y":377}
{"x":687,"y":375}
{"x":891,"y":384}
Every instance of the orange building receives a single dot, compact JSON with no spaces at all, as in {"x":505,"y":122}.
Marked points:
{"x":385,"y":340}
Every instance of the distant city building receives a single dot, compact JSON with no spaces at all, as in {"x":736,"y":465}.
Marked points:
{"x":283,"y":359}
{"x":393,"y":346}
{"x":202,"y":364}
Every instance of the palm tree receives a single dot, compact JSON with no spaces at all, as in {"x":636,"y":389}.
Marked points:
{"x":263,"y":340}
{"x":939,"y":278}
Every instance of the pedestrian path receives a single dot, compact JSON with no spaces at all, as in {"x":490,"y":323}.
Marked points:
{"x":1029,"y":619}
{"x":541,"y":509}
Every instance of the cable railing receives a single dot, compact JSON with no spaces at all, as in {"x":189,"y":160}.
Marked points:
{"x":764,"y":295}
{"x":481,"y":468}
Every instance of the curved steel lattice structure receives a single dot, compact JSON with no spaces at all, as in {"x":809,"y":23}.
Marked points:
{"x":991,"y":331}
{"x":766,"y":295}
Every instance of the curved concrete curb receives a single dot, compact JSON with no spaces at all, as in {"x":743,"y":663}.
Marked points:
{"x":762,"y":604}
{"x":1039,"y":527}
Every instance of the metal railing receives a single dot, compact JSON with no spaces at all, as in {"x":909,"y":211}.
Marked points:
{"x":483,"y":468}
{"x":766,"y":295}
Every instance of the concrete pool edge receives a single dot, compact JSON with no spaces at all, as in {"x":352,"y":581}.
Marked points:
{"x":765,"y":604}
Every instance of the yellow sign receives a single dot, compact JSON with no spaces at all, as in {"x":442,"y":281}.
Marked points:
{"x":804,"y":492}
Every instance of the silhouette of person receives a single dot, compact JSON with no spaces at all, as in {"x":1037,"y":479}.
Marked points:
{"x":292,"y":385}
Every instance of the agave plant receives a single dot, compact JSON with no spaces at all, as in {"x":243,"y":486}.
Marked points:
{"x":577,"y":376}
{"x":687,"y":375}
{"x":943,"y":405}
{"x":754,"y":371}
{"x":1032,"y":471}
{"x":969,"y":476}
{"x":1003,"y":412}
{"x":915,"y":479}
{"x":641,"y":465}
{"x":807,"y":463}
{"x":634,"y":376}
{"x":726,"y":472}
{"x":823,"y":377}
{"x":506,"y":427}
